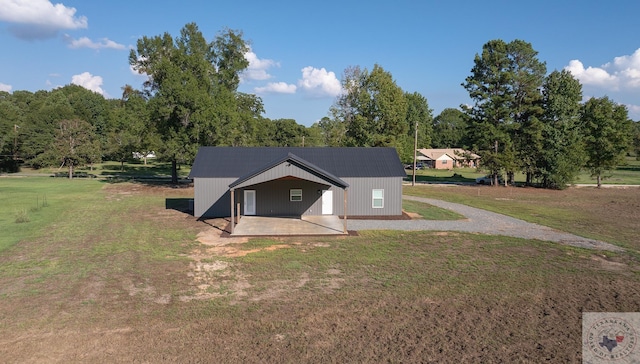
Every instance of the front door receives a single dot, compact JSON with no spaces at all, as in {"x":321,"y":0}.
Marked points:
{"x":249,"y":202}
{"x":327,"y":202}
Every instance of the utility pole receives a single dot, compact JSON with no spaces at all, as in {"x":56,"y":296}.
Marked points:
{"x":415,"y":154}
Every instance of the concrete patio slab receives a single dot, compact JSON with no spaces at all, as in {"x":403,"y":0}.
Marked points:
{"x":305,"y":225}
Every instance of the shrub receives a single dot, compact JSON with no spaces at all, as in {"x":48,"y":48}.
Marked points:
{"x":22,"y":216}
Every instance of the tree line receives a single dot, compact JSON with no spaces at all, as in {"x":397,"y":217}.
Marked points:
{"x":521,"y":119}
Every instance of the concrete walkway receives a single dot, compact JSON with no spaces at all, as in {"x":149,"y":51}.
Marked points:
{"x":483,"y":222}
{"x":305,"y":225}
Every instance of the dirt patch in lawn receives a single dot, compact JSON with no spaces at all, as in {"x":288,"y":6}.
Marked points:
{"x":379,"y":297}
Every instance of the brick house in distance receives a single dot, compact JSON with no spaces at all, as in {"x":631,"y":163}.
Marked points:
{"x":447,"y":158}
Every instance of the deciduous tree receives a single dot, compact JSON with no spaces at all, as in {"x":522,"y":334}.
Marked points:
{"x":418,"y":112}
{"x":449,"y":129}
{"x":74,"y":144}
{"x":504,"y":127}
{"x":607,"y":134}
{"x":333,"y":132}
{"x":373,"y":108}
{"x":562,"y":154}
{"x":192,"y":85}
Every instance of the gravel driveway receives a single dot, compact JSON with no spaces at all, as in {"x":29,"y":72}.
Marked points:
{"x":483,"y":222}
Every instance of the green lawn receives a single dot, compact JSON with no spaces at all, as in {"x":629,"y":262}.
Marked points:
{"x":114,"y":264}
{"x":429,"y":212}
{"x":608,"y":214}
{"x":44,"y":201}
{"x":627,"y":173}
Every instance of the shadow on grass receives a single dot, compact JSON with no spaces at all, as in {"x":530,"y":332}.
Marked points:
{"x":456,"y":178}
{"x":141,"y":170}
{"x":148,"y":181}
{"x":629,"y":168}
{"x":184,"y":205}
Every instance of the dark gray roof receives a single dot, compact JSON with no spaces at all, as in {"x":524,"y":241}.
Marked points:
{"x":212,"y":162}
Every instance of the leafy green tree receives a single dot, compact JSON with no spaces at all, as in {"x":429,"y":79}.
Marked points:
{"x":607,"y":134}
{"x":449,"y":129}
{"x":33,"y":121}
{"x":265,"y":131}
{"x":418,"y":112}
{"x":636,"y":139}
{"x":131,"y":130}
{"x":250,"y":109}
{"x":313,"y":136}
{"x":192,"y":87}
{"x":288,"y":133}
{"x":562,"y":154}
{"x":45,"y":111}
{"x":504,"y":123}
{"x":333,"y":132}
{"x":490,"y":116}
{"x":10,"y":122}
{"x":74,"y":144}
{"x":527,"y":75}
{"x":373,"y":108}
{"x":90,"y":106}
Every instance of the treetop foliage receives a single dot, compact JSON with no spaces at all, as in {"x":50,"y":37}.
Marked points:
{"x":521,"y":118}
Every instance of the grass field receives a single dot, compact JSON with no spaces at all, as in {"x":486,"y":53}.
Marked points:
{"x":107,"y":273}
{"x":609,"y":214}
{"x":627,"y":173}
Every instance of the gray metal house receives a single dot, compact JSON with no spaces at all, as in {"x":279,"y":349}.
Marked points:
{"x":283,"y":181}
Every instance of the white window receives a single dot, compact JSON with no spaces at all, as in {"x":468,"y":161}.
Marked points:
{"x":378,"y":199}
{"x":295,"y":194}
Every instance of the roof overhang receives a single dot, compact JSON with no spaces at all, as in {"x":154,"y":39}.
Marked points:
{"x":288,"y":166}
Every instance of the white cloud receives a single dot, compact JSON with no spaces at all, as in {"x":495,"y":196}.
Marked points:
{"x":276,"y":87}
{"x":628,"y":69}
{"x":37,"y":19}
{"x":592,"y":75}
{"x":85,"y":42}
{"x":257,"y":69}
{"x":319,"y":82}
{"x":88,"y":81}
{"x":4,"y":87}
{"x":634,"y":112}
{"x":622,"y":73}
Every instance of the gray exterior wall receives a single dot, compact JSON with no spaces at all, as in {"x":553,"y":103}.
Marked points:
{"x":360,"y":200}
{"x":272,"y":198}
{"x":212,"y":197}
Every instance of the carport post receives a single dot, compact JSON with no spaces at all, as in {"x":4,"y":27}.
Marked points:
{"x":232,"y":214}
{"x":345,"y":210}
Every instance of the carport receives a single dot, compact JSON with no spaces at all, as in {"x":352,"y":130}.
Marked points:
{"x":283,"y":209}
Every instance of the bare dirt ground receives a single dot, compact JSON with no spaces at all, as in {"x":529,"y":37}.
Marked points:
{"x":443,"y":297}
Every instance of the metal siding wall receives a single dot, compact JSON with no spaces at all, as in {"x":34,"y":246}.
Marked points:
{"x":272,"y":198}
{"x":359,"y":197}
{"x":212,"y":197}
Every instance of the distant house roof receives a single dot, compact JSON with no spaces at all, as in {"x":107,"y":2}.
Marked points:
{"x":454,"y":153}
{"x":216,"y":162}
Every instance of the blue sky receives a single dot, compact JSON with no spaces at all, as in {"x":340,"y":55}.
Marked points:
{"x":300,"y":49}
